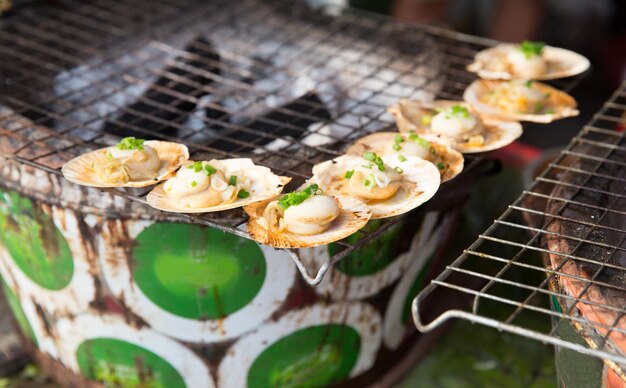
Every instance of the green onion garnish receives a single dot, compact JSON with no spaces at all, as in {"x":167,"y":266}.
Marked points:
{"x":130,"y":143}
{"x":196,"y":166}
{"x":396,"y":146}
{"x":243,"y":194}
{"x":372,"y":157}
{"x":194,"y":184}
{"x":109,"y":156}
{"x":398,"y":170}
{"x":401,"y":158}
{"x":233,"y":180}
{"x":297,"y":197}
{"x":210,"y":170}
{"x":441,"y":166}
{"x":528,"y":84}
{"x":398,"y":139}
{"x":349,"y":174}
{"x":531,"y":49}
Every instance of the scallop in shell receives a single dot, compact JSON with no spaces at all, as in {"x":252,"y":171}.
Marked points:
{"x":261,"y":184}
{"x":416,"y":116}
{"x":419,"y":181}
{"x":353,"y":215}
{"x":513,"y":100}
{"x":80,"y":170}
{"x":448,"y":161}
{"x":495,"y":63}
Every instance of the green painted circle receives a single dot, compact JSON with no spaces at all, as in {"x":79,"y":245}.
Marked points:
{"x":312,"y":357}
{"x":374,"y":256}
{"x":34,"y":242}
{"x":416,"y":287}
{"x":197,"y":272}
{"x":121,"y":364}
{"x":18,"y":312}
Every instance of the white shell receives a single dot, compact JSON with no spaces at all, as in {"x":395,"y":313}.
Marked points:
{"x":562,"y":103}
{"x":492,"y":63}
{"x":80,"y":169}
{"x":496,"y":133}
{"x":264,"y":185}
{"x":354,"y":215}
{"x":381,"y":142}
{"x":420,"y":181}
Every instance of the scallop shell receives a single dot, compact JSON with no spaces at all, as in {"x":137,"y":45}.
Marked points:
{"x":496,"y":133}
{"x":421,"y":181}
{"x":562,"y":103}
{"x":354,"y":215}
{"x":381,"y":142}
{"x":80,"y":169}
{"x":265,"y":185}
{"x":561,"y":63}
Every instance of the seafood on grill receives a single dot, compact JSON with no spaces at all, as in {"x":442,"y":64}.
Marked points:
{"x":386,"y":184}
{"x":306,"y":218}
{"x":527,"y":60}
{"x":519,"y":100}
{"x":455,"y":124}
{"x":216,"y":185}
{"x":448,"y":161}
{"x":130,"y":163}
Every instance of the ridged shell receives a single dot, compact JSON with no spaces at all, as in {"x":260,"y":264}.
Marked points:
{"x":381,"y":143}
{"x":496,"y":133}
{"x":80,"y":169}
{"x":354,"y":215}
{"x":272,"y":185}
{"x":420,"y":182}
{"x":561,"y":63}
{"x":562,"y":103}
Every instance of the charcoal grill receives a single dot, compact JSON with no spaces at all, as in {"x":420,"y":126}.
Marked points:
{"x":573,"y":217}
{"x":276,"y":82}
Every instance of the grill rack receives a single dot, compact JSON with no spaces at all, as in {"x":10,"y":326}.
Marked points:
{"x":45,"y":41}
{"x":503,"y":268}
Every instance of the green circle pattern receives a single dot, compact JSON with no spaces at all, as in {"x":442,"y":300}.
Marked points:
{"x":35,"y":243}
{"x":374,"y":256}
{"x":197,"y":272}
{"x":316,"y":356}
{"x":118,"y":363}
{"x":18,"y":312}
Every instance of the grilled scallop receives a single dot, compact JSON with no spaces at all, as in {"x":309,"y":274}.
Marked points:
{"x":130,"y":163}
{"x":386,"y":184}
{"x":216,"y":185}
{"x":527,"y":60}
{"x":519,"y":100}
{"x":448,"y":161}
{"x":454,"y":124}
{"x":306,"y":218}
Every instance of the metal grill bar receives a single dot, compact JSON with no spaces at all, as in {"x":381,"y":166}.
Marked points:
{"x":573,"y":219}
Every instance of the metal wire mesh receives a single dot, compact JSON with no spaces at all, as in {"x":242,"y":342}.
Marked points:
{"x":277,"y":82}
{"x":572,"y":217}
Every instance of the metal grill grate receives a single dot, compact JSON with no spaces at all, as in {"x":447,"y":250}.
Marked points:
{"x":278,"y":82}
{"x":573,"y":218}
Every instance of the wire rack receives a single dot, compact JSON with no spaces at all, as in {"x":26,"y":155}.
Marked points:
{"x":562,"y":241}
{"x":283,"y":84}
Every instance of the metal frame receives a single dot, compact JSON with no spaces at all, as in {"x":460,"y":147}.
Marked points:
{"x":129,"y":41}
{"x":599,"y":144}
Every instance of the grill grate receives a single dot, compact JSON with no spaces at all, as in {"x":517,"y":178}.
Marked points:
{"x":572,"y":217}
{"x":283,"y":84}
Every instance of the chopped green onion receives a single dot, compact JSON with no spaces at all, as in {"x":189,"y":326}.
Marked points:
{"x":349,"y":174}
{"x":548,"y":111}
{"x":372,"y":157}
{"x":243,"y":194}
{"x":531,"y":49}
{"x":413,"y":137}
{"x":130,"y":143}
{"x":433,"y":150}
{"x":369,"y":165}
{"x":459,"y":110}
{"x":197,"y":166}
{"x":210,"y":170}
{"x":401,"y":158}
{"x":538,"y":107}
{"x":233,"y":180}
{"x":398,"y":170}
{"x":297,"y":197}
{"x":441,"y":166}
{"x":398,"y":139}
{"x":109,"y":155}
{"x":194,"y":184}
{"x":529,"y":84}
{"x":396,"y":147}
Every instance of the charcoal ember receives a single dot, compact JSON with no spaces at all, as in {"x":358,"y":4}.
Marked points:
{"x":605,"y":266}
{"x":288,"y":121}
{"x":146,"y":113}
